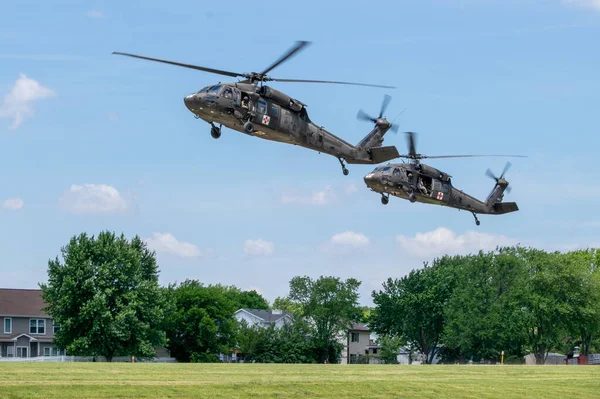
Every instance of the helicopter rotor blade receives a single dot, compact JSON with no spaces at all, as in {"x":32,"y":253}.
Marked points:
{"x":411,"y":143}
{"x":211,"y":70}
{"x":362,"y":115}
{"x":394,"y":128}
{"x":386,"y":101}
{"x":470,"y":156}
{"x":329,"y":81}
{"x":491,"y":174}
{"x":299,"y":45}
{"x":506,"y":167}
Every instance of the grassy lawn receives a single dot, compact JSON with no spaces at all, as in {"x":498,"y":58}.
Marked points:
{"x":120,"y":380}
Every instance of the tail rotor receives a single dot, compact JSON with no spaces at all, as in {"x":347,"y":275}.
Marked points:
{"x":380,"y":120}
{"x":500,"y":180}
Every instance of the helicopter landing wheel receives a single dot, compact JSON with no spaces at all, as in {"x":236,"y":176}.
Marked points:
{"x":343,"y":167}
{"x":248,"y":127}
{"x":477,"y":222}
{"x":384,"y":199}
{"x":412,"y":197}
{"x":215,"y":132}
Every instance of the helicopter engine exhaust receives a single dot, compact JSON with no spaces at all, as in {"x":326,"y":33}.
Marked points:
{"x":280,"y":98}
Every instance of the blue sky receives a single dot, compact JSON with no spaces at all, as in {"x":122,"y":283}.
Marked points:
{"x":92,"y":141}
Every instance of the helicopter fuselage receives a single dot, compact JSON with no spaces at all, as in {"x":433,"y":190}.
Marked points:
{"x":271,"y":115}
{"x":425,"y":184}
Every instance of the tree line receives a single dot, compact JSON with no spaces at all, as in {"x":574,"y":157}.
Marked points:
{"x":105,"y":295}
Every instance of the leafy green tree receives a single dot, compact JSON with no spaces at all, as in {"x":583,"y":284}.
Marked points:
{"x":292,"y":343}
{"x":483,"y":316}
{"x":413,"y":307}
{"x":286,"y":304}
{"x":246,"y":299}
{"x":583,"y":296}
{"x":105,"y":297}
{"x":390,"y":347}
{"x":202,"y":325}
{"x":331,"y":305}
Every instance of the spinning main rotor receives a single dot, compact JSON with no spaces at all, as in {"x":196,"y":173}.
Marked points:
{"x":255,"y":77}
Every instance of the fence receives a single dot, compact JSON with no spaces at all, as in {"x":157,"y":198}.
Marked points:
{"x":100,"y":359}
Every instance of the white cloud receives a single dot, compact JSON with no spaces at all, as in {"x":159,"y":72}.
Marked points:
{"x":93,"y":198}
{"x":167,"y":243}
{"x":96,"y":14}
{"x":18,"y":103}
{"x":12,"y":204}
{"x":444,"y":241}
{"x":259,"y":247}
{"x":322,"y":197}
{"x":584,"y":3}
{"x":350,"y":238}
{"x":346,"y":242}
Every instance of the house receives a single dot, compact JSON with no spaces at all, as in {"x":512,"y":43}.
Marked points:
{"x":263,"y":318}
{"x":26,"y":330}
{"x":357,"y":340}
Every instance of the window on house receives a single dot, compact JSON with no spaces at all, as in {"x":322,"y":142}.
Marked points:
{"x":10,"y":351}
{"x":55,"y":327}
{"x":37,"y":326}
{"x":7,"y":325}
{"x":355,"y":337}
{"x":57,"y":352}
{"x":374,"y":351}
{"x":47,"y":351}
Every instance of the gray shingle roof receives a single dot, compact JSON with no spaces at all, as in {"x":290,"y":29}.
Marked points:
{"x":267,"y":315}
{"x":21,"y":302}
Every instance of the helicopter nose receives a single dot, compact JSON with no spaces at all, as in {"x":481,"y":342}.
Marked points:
{"x":189,"y":101}
{"x":369,"y":179}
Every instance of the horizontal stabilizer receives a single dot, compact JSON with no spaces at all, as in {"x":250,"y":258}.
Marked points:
{"x":382,"y":154}
{"x":505,"y":207}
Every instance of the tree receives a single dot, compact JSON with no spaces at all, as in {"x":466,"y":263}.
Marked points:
{"x":413,"y":307}
{"x":202,"y":325}
{"x":331,"y":305}
{"x":246,"y":299}
{"x":583,"y":296}
{"x":390,"y":347}
{"x":286,"y":304}
{"x":292,"y":343}
{"x":483,"y":316}
{"x":106,"y":297}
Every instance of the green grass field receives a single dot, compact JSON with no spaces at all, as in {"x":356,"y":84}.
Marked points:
{"x":120,"y":380}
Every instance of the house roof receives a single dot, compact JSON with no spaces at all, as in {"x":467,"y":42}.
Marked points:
{"x":21,"y":302}
{"x":267,"y":315}
{"x":358,"y":327}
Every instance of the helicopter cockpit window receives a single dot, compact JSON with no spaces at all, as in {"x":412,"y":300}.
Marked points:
{"x":262,"y":106}
{"x":214,"y":89}
{"x":227,"y":93}
{"x":386,"y":170}
{"x":204,"y":89}
{"x":396,"y":172}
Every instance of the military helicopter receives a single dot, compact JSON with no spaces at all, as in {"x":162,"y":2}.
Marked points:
{"x":251,"y":107}
{"x":418,"y":182}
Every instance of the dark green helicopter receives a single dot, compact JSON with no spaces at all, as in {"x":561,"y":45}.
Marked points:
{"x":251,"y":107}
{"x":418,"y":182}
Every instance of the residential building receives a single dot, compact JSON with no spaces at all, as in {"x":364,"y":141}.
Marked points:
{"x":357,"y":340}
{"x":26,"y":330}
{"x":262,"y":317}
